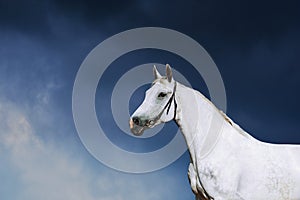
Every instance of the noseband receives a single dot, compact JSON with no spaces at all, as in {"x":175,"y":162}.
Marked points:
{"x":168,"y":106}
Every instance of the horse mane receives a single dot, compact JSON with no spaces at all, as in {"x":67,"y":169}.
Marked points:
{"x":226,"y":117}
{"x":235,"y":126}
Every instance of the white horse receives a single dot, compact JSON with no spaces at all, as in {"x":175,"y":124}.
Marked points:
{"x":226,"y":162}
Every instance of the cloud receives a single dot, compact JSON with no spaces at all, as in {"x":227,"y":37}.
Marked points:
{"x":40,"y":154}
{"x":47,"y":173}
{"x":44,"y":170}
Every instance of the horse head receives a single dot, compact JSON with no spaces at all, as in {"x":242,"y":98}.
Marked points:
{"x":159,"y":105}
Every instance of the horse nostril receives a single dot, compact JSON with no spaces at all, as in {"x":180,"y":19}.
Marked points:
{"x":136,"y":121}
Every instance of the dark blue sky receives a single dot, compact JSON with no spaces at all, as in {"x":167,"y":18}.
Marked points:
{"x":255,"y":45}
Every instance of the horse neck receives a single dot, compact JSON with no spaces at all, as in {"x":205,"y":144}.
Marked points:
{"x":194,"y":115}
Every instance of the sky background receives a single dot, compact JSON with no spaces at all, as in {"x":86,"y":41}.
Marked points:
{"x":255,"y":45}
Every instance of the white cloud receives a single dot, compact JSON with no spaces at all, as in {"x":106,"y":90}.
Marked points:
{"x":33,"y":129}
{"x":49,"y":172}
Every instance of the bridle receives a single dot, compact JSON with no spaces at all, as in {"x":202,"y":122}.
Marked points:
{"x":168,"y":106}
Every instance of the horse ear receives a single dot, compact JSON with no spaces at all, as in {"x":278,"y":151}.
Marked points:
{"x":169,"y":73}
{"x":156,"y":73}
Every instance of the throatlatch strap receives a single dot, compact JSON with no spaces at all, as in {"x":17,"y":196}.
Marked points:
{"x":168,"y":105}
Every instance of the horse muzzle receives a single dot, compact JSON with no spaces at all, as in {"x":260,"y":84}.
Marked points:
{"x":138,"y":126}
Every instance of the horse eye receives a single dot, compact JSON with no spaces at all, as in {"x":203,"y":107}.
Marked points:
{"x":162,"y":94}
